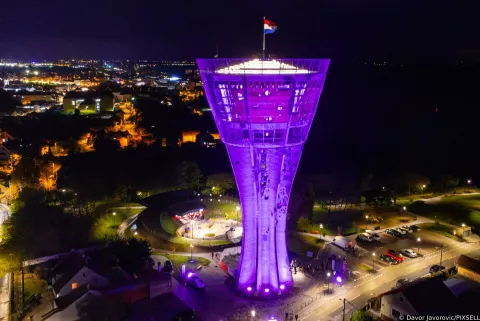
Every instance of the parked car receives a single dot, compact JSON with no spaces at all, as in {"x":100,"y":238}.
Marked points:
{"x":364,"y":237}
{"x":399,"y":230}
{"x":388,"y":259}
{"x":410,"y":253}
{"x":187,"y":315}
{"x":397,"y":256}
{"x":389,"y":231}
{"x":193,"y":280}
{"x":405,"y":229}
{"x":373,"y":235}
{"x":395,"y":233}
{"x":436,"y":268}
{"x":401,"y":282}
{"x":414,"y":228}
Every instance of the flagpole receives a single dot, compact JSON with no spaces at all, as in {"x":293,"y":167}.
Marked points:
{"x":263,"y":51}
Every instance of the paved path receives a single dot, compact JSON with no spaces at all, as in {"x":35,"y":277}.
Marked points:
{"x":438,"y":199}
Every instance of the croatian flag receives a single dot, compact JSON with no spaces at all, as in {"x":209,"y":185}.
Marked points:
{"x":269,"y":26}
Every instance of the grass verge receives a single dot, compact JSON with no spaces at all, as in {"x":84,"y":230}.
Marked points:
{"x":107,"y":223}
{"x":442,"y":230}
{"x":178,"y":260}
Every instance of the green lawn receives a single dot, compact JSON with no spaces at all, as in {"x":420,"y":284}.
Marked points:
{"x":222,"y":210}
{"x":443,"y":230}
{"x":33,"y":286}
{"x":301,"y":244}
{"x":107,"y":224}
{"x":168,"y":224}
{"x":453,"y":209}
{"x":179,"y":260}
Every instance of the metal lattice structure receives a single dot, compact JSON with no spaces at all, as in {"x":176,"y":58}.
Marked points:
{"x":263,"y":110}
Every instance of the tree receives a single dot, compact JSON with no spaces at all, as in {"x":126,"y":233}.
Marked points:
{"x":361,"y":315}
{"x":378,"y":198}
{"x":219,"y":183}
{"x":415,"y":182}
{"x":189,"y":175}
{"x":445,"y":181}
{"x":106,"y":145}
{"x":131,"y":253}
{"x":7,"y":103}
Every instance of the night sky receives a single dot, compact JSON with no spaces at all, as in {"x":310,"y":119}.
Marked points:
{"x":166,"y":29}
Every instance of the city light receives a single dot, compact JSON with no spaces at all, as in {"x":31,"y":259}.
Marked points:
{"x":253,"y":313}
{"x":267,"y":290}
{"x":282,"y":287}
{"x":249,"y":288}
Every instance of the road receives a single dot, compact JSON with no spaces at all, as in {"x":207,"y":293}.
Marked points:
{"x":330,"y":307}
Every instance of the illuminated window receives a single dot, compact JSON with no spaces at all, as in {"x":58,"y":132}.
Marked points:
{"x":74,"y":286}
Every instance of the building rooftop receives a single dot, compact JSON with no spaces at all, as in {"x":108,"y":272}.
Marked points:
{"x":469,"y":263}
{"x":258,"y":66}
{"x":429,"y":297}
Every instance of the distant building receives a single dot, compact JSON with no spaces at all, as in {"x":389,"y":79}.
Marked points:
{"x":4,"y":153}
{"x":190,"y":136}
{"x":30,"y":97}
{"x":106,"y":102}
{"x":87,"y":102}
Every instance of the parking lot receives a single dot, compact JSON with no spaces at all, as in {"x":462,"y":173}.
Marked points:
{"x":422,"y":242}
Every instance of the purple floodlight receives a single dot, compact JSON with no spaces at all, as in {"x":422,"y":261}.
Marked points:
{"x":189,"y":275}
{"x":249,"y":288}
{"x":267,"y":290}
{"x":282,"y":287}
{"x":339,"y":279}
{"x":263,"y":110}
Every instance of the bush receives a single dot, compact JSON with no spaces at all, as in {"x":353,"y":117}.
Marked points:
{"x":210,"y":235}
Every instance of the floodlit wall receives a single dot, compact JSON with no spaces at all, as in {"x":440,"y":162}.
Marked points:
{"x":263,"y":110}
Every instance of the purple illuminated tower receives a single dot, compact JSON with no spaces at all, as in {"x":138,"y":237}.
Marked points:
{"x":264,"y":110}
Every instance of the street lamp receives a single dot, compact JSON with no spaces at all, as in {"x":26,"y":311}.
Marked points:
{"x":321,"y":229}
{"x":373,"y":260}
{"x":404,"y":208}
{"x":253,"y":314}
{"x":463,"y":228}
{"x":418,"y":248}
{"x":191,"y":253}
{"x":193,"y":222}
{"x":469,"y":181}
{"x":114,"y":218}
{"x":328,"y":280}
{"x":136,"y":233}
{"x":366,"y":223}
